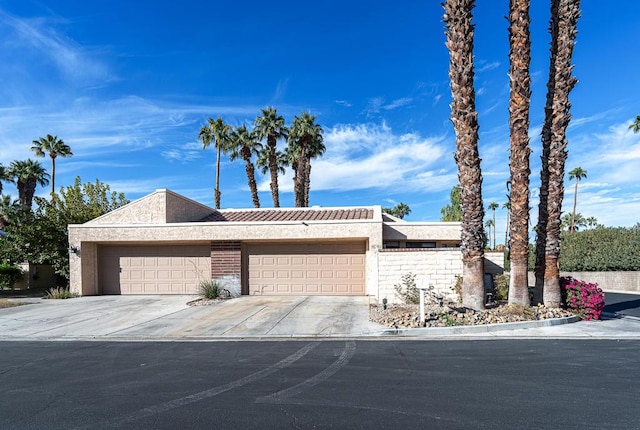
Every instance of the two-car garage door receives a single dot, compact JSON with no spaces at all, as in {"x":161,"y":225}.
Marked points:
{"x":333,"y":268}
{"x":167,"y":269}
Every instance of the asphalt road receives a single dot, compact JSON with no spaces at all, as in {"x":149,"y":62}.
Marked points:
{"x":524,"y":384}
{"x":624,"y":304}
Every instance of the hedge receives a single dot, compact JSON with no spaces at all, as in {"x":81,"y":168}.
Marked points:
{"x":603,"y":249}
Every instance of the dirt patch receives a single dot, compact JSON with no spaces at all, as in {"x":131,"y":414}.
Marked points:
{"x":449,"y":315}
{"x":6,"y":303}
{"x":206,"y":302}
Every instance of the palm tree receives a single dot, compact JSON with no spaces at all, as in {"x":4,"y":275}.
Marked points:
{"x":264,"y":160}
{"x":489,"y":224}
{"x":578,"y":174}
{"x":27,"y":175}
{"x":7,"y":210}
{"x":579,"y":222}
{"x":592,"y":222}
{"x":459,"y":32}
{"x":271,"y":126}
{"x":244,"y":144}
{"x":564,"y":17}
{"x":519,"y":102}
{"x":4,"y":176}
{"x":305,"y":142}
{"x":492,"y":207}
{"x":635,"y":126}
{"x":216,"y":131}
{"x":400,"y":210}
{"x":55,"y":148}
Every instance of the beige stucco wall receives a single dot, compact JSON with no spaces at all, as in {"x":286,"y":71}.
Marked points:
{"x":159,"y":207}
{"x":422,"y":231}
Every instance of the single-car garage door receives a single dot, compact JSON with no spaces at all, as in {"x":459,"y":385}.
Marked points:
{"x":307,"y":269}
{"x":176,"y":269}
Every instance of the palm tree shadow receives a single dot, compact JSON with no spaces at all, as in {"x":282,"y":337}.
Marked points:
{"x":622,"y":306}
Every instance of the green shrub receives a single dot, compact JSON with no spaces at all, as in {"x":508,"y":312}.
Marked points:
{"x":407,"y":290}
{"x":9,"y":275}
{"x":212,"y":290}
{"x":501,"y":287}
{"x":59,"y":293}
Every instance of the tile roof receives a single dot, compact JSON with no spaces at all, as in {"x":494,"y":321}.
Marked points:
{"x":262,"y":215}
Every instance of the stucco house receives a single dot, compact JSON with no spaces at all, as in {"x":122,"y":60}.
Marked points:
{"x":165,"y":243}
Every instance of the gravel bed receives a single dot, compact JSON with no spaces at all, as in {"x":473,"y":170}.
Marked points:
{"x":450,"y":314}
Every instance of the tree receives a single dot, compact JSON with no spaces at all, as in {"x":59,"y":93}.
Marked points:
{"x":453,"y":211}
{"x":215,"y":131}
{"x":400,"y":210}
{"x":270,"y":126}
{"x":489,"y":224}
{"x":8,"y":209}
{"x":519,"y":103}
{"x":40,"y":236}
{"x":492,"y":207}
{"x":244,"y":145}
{"x":592,"y":222}
{"x":27,"y":175}
{"x":55,"y":148}
{"x":4,"y":176}
{"x":635,"y":126}
{"x":305,"y":142}
{"x":459,"y":32}
{"x":578,"y":174}
{"x":564,"y":18}
{"x":577,"y":222}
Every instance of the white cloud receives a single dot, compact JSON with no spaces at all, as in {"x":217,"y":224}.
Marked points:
{"x":398,"y":103}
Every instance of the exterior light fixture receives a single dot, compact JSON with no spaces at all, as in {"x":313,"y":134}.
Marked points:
{"x":74,"y":250}
{"x":384,"y":303}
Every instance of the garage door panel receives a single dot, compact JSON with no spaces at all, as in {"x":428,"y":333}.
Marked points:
{"x":335,"y":268}
{"x":174,"y":269}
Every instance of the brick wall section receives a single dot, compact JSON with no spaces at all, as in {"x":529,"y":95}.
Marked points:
{"x":440,"y":264}
{"x":226,"y":259}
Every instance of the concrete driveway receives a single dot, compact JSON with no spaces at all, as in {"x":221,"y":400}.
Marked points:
{"x":170,"y":318}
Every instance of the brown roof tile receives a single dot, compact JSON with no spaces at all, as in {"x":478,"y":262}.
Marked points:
{"x":260,"y":215}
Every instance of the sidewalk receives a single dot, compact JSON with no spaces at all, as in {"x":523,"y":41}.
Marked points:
{"x":169,"y":318}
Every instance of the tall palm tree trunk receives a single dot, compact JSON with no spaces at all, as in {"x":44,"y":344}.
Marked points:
{"x":307,"y":182}
{"x":519,"y":102}
{"x":251,"y":177}
{"x":575,"y":204}
{"x":564,"y":17}
{"x":273,"y":169}
{"x":53,"y":176}
{"x":299,"y":179}
{"x":216,"y":192}
{"x":459,"y":31}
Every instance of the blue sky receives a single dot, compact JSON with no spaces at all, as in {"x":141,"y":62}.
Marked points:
{"x":128,"y":84}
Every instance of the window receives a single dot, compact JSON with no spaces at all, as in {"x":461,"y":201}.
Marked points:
{"x":392,"y":244}
{"x":421,"y":244}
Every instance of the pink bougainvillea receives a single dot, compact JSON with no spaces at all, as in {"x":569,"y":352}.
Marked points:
{"x":583,"y":298}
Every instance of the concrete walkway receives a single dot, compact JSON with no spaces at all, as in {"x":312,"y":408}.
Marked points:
{"x":166,"y":318}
